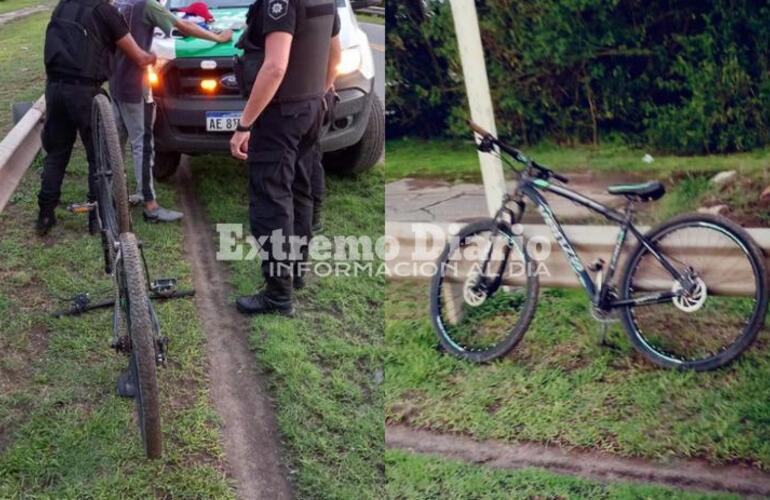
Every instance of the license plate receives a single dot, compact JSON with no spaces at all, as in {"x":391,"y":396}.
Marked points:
{"x":222,"y":121}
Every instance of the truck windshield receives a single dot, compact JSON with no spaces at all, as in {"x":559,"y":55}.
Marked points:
{"x":221,"y":4}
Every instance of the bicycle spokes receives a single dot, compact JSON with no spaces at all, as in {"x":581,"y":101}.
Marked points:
{"x":708,"y":316}
{"x":480,"y":297}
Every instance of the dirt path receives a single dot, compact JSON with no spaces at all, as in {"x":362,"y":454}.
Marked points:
{"x":691,"y":474}
{"x":251,"y":440}
{"x":18,"y":14}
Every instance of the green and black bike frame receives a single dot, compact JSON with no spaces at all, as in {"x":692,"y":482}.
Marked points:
{"x":530,"y":186}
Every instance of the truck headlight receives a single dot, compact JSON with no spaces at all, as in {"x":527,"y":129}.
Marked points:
{"x":350,"y":61}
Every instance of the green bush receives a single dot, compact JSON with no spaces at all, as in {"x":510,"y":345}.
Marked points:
{"x":679,"y":76}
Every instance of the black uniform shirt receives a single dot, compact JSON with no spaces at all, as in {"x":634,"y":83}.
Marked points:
{"x":282,"y":15}
{"x":113,"y":26}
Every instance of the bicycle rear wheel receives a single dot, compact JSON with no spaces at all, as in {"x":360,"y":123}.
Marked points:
{"x":718,"y":320}
{"x":110,"y":174}
{"x":136,"y":304}
{"x":475,"y":316}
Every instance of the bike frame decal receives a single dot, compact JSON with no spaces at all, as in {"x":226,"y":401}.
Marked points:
{"x":558,"y":233}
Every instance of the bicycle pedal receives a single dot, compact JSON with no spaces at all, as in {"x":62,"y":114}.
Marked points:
{"x":81,"y":208}
{"x":163,"y":286}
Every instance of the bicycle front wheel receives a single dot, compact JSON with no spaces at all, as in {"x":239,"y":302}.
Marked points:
{"x":136,"y":304}
{"x":483,"y":295}
{"x":712,"y":324}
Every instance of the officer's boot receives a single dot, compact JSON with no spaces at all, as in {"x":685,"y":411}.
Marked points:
{"x":275,"y":298}
{"x":299,"y":276}
{"x":46,"y":219}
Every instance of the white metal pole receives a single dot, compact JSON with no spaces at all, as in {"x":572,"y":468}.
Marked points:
{"x":477,"y":87}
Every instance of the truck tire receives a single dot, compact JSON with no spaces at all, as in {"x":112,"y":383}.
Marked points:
{"x":165,"y":165}
{"x":367,"y":152}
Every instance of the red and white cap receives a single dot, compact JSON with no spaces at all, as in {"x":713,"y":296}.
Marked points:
{"x":199,"y":9}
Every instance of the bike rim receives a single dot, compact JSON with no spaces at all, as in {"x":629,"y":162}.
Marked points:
{"x":711,"y":321}
{"x":472,"y":324}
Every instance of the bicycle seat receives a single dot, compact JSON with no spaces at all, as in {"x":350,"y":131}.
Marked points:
{"x":645,"y":191}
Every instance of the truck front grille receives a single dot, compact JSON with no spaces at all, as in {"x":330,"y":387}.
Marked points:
{"x":182,"y":78}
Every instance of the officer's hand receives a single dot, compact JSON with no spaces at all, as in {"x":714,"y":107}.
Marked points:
{"x":239,"y":145}
{"x":150,"y":58}
{"x":225,"y":36}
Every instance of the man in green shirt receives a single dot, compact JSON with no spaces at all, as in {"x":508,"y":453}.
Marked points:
{"x":134,"y":109}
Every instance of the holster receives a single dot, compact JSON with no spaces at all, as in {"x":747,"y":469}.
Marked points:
{"x":245,"y":68}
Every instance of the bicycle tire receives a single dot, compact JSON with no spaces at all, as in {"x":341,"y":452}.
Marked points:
{"x":753,"y":326}
{"x":514,"y":335}
{"x":140,"y":330}
{"x":107,"y":146}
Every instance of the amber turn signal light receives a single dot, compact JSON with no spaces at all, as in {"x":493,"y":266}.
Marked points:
{"x":209,"y":85}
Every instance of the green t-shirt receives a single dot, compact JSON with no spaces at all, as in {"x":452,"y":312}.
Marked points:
{"x":158,"y":16}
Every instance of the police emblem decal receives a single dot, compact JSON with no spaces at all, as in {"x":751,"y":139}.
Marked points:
{"x":276,"y":9}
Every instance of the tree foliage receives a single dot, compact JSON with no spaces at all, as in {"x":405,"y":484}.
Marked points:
{"x":681,"y":76}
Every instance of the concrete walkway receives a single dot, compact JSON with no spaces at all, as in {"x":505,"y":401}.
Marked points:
{"x":18,"y":14}
{"x":429,"y":200}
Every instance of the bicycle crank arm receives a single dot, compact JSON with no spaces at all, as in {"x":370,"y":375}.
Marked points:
{"x":79,"y":308}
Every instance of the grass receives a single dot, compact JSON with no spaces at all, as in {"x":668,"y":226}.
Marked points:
{"x":458,"y":160}
{"x":559,"y":386}
{"x":11,"y":5}
{"x":64,"y":433}
{"x":325,"y":364}
{"x":368,"y":18}
{"x":423,"y":477}
{"x":21,"y":64}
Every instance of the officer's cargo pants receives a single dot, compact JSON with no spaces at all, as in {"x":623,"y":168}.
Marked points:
{"x":68,"y":113}
{"x":281,"y":159}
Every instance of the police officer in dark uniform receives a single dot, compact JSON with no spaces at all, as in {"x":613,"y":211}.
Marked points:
{"x":296,"y":47}
{"x":80,"y":41}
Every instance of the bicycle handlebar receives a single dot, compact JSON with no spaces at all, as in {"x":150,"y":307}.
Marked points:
{"x":515,"y":153}
{"x":478,"y":129}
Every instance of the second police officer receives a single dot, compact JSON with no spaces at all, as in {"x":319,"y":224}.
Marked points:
{"x":291,"y":52}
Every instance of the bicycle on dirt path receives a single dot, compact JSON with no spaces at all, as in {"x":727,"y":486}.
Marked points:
{"x":135,"y":327}
{"x":693,"y":292}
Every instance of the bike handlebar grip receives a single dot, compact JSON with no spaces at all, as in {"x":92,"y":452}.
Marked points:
{"x":560,"y":178}
{"x":477,"y":128}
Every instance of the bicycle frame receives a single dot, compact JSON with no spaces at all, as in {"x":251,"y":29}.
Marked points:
{"x":531,"y":186}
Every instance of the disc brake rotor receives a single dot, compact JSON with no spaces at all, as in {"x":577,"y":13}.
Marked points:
{"x":690,"y":302}
{"x":472,"y":294}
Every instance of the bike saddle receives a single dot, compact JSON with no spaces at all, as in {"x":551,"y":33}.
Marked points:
{"x":645,"y":191}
